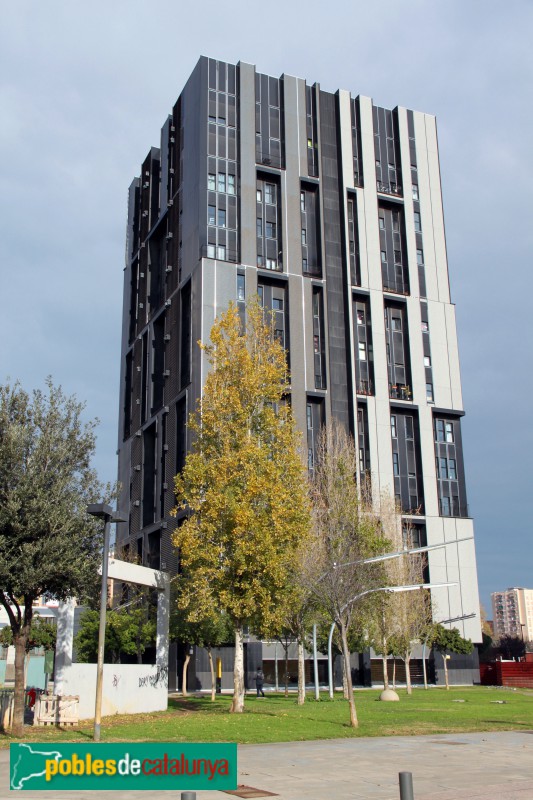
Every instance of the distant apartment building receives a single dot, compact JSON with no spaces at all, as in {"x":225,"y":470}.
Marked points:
{"x":512,"y":611}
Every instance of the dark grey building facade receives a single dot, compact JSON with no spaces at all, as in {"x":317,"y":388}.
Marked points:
{"x":329,"y":208}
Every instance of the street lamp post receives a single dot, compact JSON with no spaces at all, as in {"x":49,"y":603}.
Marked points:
{"x":105,"y":512}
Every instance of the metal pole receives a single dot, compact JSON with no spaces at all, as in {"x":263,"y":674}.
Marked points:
{"x":424,"y":665}
{"x":406,"y":786}
{"x":276,"y":665}
{"x":101,"y":632}
{"x":330,"y":662}
{"x":315,"y":660}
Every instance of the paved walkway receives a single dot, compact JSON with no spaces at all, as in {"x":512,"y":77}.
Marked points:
{"x":470,"y":766}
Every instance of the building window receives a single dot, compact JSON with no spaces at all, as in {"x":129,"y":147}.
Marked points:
{"x":415,"y":191}
{"x":260,"y":294}
{"x":304,"y":264}
{"x":211,"y":215}
{"x":427,"y":361}
{"x":211,"y":250}
{"x":449,"y":431}
{"x":394,"y":433}
{"x":382,"y":223}
{"x":425,"y":325}
{"x":259,"y":226}
{"x":221,"y":182}
{"x":240,"y":288}
{"x":302,"y":201}
{"x":221,"y":218}
{"x":211,"y":182}
{"x":396,"y":323}
{"x":396,"y":464}
{"x":221,"y":253}
{"x":420,"y":257}
{"x":418,"y":224}
{"x":452,"y":469}
{"x":270,"y":193}
{"x":383,"y":257}
{"x":397,"y":257}
{"x":429,"y":392}
{"x":439,"y":430}
{"x":360,"y":317}
{"x":304,"y":236}
{"x":277,"y":304}
{"x":409,"y":428}
{"x":231,"y":184}
{"x":270,"y":230}
{"x":362,"y":351}
{"x":271,"y":263}
{"x":443,"y":469}
{"x":445,"y":506}
{"x":259,"y":196}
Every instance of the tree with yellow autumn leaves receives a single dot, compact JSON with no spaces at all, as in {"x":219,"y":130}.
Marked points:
{"x":243,"y":484}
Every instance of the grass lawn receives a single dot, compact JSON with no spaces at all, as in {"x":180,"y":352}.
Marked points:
{"x":280,"y":719}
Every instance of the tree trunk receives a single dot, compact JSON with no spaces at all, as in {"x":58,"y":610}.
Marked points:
{"x":408,"y":673}
{"x":184,"y":673}
{"x":286,"y":646}
{"x":346,"y":654}
{"x":446,"y":671}
{"x":394,"y":672}
{"x":345,"y":693}
{"x":301,"y":673}
{"x":385,"y":671}
{"x":20,"y":640}
{"x":212,"y":668}
{"x":237,"y":704}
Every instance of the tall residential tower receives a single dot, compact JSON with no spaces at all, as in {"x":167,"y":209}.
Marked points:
{"x":329,"y":208}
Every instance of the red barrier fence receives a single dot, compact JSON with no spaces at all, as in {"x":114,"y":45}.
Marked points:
{"x":507,"y":673}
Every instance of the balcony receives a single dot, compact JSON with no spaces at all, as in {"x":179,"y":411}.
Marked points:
{"x":389,"y":188}
{"x":400,"y":391}
{"x":219,"y":253}
{"x":270,"y":160}
{"x":396,"y":287}
{"x":365,"y":388}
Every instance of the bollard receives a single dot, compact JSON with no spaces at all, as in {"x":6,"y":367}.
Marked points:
{"x":188,"y":796}
{"x":406,"y":786}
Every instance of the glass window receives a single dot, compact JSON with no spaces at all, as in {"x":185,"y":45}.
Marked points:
{"x":445,"y":506}
{"x":271,"y":263}
{"x":221,"y":253}
{"x":221,"y":218}
{"x":362,"y":351}
{"x":420,"y":257}
{"x":415,"y":191}
{"x":396,"y":464}
{"x":429,"y":392}
{"x":449,"y":432}
{"x":270,"y":230}
{"x":270,"y":193}
{"x":360,"y":317}
{"x":439,"y":430}
{"x":395,"y":221}
{"x":260,"y":294}
{"x":309,"y":417}
{"x":259,"y":226}
{"x":452,"y":469}
{"x":443,"y":468}
{"x":383,"y":257}
{"x":211,"y":183}
{"x":302,"y":201}
{"x":409,"y":428}
{"x":427,"y":361}
{"x":309,"y":142}
{"x":231,"y":184}
{"x":259,"y":195}
{"x":378,"y":163}
{"x":382,"y":223}
{"x":240,"y":287}
{"x":211,"y":215}
{"x":304,"y":264}
{"x":304,"y":236}
{"x":277,"y":304}
{"x":425,"y":325}
{"x":418,"y":224}
{"x":397,"y":257}
{"x":221,"y":182}
{"x":396,"y":323}
{"x":211,"y":250}
{"x":393,"y":426}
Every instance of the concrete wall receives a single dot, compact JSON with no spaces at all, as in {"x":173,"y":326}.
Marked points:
{"x":127,"y":688}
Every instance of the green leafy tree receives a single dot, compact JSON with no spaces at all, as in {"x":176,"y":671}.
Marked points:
{"x":511,"y":647}
{"x":243,"y":485}
{"x":128,"y":633}
{"x":48,"y":544}
{"x":449,"y":640}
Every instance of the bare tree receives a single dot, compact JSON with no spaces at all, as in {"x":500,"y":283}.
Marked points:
{"x":346,"y":531}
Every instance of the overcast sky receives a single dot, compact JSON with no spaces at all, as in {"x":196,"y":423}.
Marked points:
{"x":84,"y":90}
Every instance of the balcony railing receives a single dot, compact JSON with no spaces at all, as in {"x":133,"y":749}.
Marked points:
{"x":389,"y":188}
{"x":270,"y":160}
{"x":365,"y":388}
{"x":396,"y":287}
{"x":219,"y":253}
{"x":400,"y":391}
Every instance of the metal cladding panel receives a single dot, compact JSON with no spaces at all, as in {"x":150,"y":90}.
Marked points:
{"x":336,"y":285}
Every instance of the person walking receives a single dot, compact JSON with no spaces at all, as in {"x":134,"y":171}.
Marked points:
{"x":259,"y":681}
